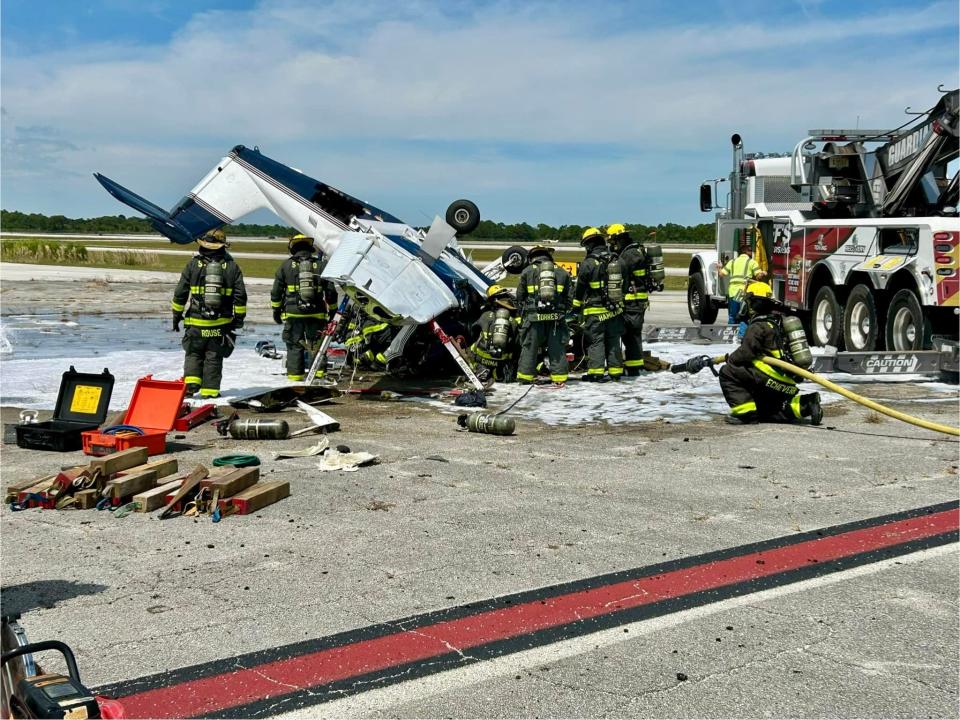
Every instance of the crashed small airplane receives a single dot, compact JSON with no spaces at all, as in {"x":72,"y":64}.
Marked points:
{"x":391,"y":270}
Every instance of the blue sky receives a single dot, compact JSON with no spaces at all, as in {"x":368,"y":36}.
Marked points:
{"x":555,"y":112}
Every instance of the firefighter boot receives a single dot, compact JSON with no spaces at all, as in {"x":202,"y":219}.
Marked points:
{"x":810,"y":407}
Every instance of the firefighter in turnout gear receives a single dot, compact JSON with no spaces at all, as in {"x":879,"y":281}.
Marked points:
{"x":633,"y":268}
{"x":754,"y":389}
{"x":495,"y":349}
{"x":211,"y":301}
{"x":367,"y":340}
{"x":543,"y":299}
{"x":598,"y":299}
{"x":300,"y":301}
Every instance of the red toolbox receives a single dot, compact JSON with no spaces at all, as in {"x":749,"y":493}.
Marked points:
{"x":153,"y":408}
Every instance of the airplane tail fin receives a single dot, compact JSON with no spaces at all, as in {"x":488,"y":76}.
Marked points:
{"x":185,"y":222}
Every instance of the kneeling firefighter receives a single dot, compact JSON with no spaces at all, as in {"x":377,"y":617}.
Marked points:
{"x":598,"y":298}
{"x":543,"y":298}
{"x":754,"y":389}
{"x":300,"y":301}
{"x":211,"y":301}
{"x":368,"y":338}
{"x":497,"y":328}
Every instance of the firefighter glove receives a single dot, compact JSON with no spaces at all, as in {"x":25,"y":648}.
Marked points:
{"x":237,"y":323}
{"x":177,"y":317}
{"x":278,"y":316}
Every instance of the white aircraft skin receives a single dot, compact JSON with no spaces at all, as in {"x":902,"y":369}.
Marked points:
{"x":392,"y":270}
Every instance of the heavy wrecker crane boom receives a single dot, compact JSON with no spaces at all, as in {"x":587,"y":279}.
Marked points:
{"x":904,"y":177}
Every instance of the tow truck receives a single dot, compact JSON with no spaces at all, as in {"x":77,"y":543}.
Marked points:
{"x":858,"y":230}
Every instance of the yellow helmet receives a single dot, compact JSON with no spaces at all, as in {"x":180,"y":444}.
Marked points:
{"x":298,"y":239}
{"x":501,"y":296}
{"x":591,"y":234}
{"x":213,"y":239}
{"x":616,"y":229}
{"x":759,"y":289}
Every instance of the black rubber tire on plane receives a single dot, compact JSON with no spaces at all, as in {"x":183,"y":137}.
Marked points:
{"x":463,"y":216}
{"x":514,"y":259}
{"x":826,"y":318}
{"x":861,"y":321}
{"x":907,"y":328}
{"x":699,"y":305}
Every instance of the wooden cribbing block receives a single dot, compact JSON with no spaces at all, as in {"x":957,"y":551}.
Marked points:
{"x":164,"y":467}
{"x":87,"y":499}
{"x":231,"y":483}
{"x":126,"y":485}
{"x":13,"y":490}
{"x":191,"y":483}
{"x":150,"y":500}
{"x":123,"y":460}
{"x":40,"y":487}
{"x":256,"y":497}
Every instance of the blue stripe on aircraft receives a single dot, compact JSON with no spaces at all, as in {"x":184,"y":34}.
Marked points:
{"x":185,"y":222}
{"x":334,"y":201}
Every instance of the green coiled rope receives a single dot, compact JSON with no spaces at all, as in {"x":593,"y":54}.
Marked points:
{"x":236,"y":460}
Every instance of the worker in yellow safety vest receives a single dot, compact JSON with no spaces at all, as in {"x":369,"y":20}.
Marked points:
{"x":741,"y":270}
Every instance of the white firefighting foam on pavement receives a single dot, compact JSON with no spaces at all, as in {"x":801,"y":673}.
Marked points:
{"x":32,"y":382}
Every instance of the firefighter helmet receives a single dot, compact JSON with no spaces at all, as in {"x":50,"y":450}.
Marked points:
{"x":616,"y":229}
{"x":501,"y":296}
{"x":591,"y":235}
{"x":539,"y":250}
{"x":299,"y":239}
{"x":759,"y":289}
{"x":213,"y":239}
{"x":758,"y":300}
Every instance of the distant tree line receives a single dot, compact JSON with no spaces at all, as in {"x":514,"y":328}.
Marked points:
{"x":668,"y":233}
{"x":526,"y":233}
{"x":13,"y":221}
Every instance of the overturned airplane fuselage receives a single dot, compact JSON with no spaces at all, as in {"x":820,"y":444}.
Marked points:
{"x":392,"y":270}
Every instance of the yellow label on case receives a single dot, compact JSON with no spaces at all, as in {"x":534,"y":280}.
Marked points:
{"x":86,"y":399}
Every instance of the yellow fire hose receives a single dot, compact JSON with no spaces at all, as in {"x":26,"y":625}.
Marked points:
{"x":866,"y":402}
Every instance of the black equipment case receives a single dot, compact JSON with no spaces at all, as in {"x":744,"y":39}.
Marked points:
{"x":82,"y":404}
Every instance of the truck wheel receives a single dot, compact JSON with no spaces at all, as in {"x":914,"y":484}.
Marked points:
{"x":699,"y":305}
{"x":907,"y":328}
{"x":861,"y":325}
{"x":463,"y":216}
{"x":826,"y":318}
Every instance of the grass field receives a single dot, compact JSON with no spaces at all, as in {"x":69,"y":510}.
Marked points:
{"x":274,"y":247}
{"x":25,"y":250}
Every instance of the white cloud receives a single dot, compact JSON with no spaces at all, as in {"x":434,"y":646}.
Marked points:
{"x":289,"y":75}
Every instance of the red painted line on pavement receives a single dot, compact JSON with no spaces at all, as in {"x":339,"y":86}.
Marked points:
{"x":280,"y":677}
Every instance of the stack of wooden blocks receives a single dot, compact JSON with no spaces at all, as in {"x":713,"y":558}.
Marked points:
{"x":129,"y":478}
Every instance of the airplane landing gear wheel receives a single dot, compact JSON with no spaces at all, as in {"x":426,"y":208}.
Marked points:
{"x":861,"y":323}
{"x":906,"y":327}
{"x":514,"y":259}
{"x":463,"y":216}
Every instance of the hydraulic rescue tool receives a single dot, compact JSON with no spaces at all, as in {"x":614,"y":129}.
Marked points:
{"x":28,"y":691}
{"x":321,"y":357}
